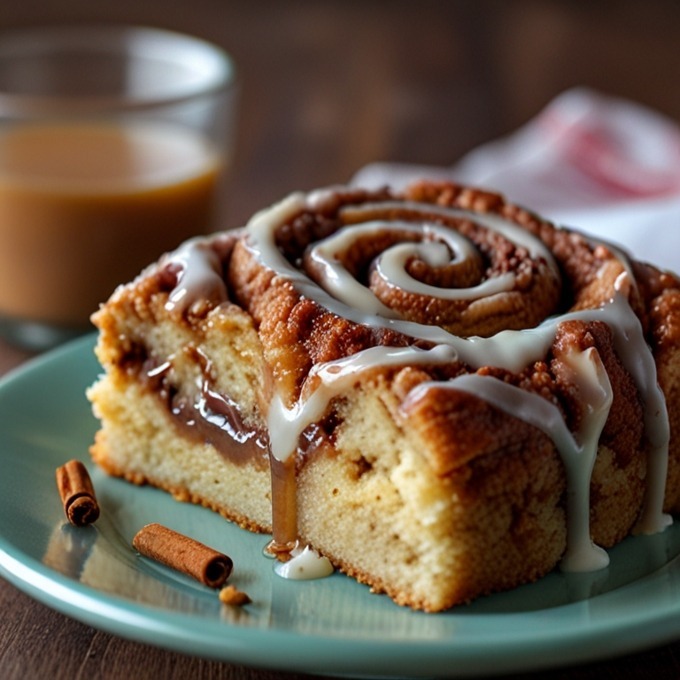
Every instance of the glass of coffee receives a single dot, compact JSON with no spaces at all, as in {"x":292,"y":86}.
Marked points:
{"x":114,"y":148}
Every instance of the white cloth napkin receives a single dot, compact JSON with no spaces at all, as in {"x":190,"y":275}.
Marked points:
{"x":599,"y":164}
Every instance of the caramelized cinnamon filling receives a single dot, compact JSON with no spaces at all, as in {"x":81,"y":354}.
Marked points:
{"x":284,"y":506}
{"x":204,"y":417}
{"x":213,"y":419}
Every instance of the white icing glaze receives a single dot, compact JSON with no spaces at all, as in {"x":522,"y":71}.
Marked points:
{"x":512,"y":232}
{"x":391,"y":266}
{"x":450,"y":247}
{"x":305,"y":564}
{"x":199,"y":274}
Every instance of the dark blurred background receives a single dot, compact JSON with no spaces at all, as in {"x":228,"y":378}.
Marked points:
{"x":330,"y":85}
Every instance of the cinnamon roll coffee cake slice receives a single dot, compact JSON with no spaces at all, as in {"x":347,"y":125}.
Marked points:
{"x":439,"y":391}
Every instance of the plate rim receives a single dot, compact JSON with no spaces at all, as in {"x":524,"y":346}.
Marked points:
{"x":549,"y":647}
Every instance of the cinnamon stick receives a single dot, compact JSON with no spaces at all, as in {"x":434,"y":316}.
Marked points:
{"x":77,"y":493}
{"x":184,"y":554}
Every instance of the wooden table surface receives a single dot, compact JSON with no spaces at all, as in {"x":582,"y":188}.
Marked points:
{"x":327,"y":87}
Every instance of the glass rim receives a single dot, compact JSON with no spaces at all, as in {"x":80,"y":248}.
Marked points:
{"x":218,"y":73}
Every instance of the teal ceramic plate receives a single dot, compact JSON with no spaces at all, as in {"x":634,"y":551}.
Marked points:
{"x":330,"y":626}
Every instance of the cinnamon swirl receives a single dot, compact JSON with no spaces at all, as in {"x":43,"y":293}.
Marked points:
{"x":439,"y":391}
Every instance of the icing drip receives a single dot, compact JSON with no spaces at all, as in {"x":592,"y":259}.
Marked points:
{"x":288,"y":423}
{"x":577,"y":451}
{"x":334,"y":377}
{"x":199,"y":275}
